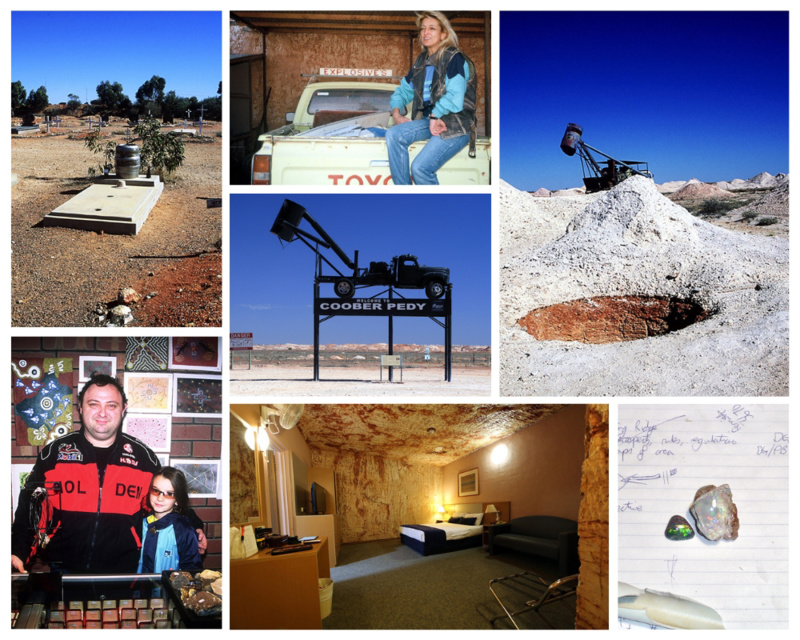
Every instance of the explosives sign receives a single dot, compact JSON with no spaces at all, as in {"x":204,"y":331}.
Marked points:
{"x":355,"y":73}
{"x":416,"y":307}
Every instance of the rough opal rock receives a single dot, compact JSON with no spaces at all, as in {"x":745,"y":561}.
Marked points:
{"x":678,"y":528}
{"x":714,"y":513}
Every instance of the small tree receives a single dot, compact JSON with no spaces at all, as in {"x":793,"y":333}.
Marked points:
{"x":151,"y":95}
{"x":37,"y":100}
{"x":18,"y":95}
{"x":765,"y":222}
{"x":110,"y":97}
{"x":160,"y":151}
{"x":96,"y":144}
{"x":74,"y":103}
{"x":152,"y":90}
{"x":171,"y":107}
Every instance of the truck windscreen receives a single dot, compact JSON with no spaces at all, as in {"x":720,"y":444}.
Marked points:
{"x":349,"y":100}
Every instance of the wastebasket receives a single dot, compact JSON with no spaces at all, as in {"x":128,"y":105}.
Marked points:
{"x":325,"y":596}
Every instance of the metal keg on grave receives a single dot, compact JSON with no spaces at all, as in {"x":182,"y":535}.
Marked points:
{"x":127,"y":161}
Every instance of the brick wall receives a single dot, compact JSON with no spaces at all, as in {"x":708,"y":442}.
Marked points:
{"x":191,"y":437}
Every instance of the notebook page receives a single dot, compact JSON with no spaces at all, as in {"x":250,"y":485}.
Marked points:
{"x":665,"y":453}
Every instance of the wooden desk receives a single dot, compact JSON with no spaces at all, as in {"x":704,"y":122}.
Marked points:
{"x":278,"y":592}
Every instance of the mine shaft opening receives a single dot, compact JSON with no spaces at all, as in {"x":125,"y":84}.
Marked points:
{"x":612,"y":319}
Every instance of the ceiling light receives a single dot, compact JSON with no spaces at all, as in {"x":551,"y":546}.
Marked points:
{"x":431,"y":431}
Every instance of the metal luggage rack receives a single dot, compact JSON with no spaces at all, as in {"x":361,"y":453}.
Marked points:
{"x":529,"y":583}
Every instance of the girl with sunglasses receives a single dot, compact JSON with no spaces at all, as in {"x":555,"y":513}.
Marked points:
{"x":169,"y":542}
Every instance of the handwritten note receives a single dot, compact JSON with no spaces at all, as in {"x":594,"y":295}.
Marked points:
{"x":665,"y":453}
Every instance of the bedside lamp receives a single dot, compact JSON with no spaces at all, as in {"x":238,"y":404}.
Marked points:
{"x":492,"y":509}
{"x":441,"y":514}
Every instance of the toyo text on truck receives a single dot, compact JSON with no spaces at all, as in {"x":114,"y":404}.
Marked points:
{"x":335,"y":138}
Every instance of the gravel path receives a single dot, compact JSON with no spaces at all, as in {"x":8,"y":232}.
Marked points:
{"x":632,"y":241}
{"x":60,"y":276}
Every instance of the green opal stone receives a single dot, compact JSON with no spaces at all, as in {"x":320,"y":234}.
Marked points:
{"x":678,"y":528}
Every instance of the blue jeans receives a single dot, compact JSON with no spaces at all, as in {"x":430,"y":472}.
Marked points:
{"x":428,"y":161}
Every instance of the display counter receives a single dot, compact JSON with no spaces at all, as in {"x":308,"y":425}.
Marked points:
{"x":121,"y":601}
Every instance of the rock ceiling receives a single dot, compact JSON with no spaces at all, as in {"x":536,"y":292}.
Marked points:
{"x":402,"y":431}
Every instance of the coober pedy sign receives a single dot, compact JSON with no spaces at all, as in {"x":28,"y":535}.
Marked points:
{"x":382,"y":307}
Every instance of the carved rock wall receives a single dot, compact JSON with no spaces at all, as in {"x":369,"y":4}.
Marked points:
{"x":376,"y":495}
{"x":592,"y":602}
{"x":243,"y":499}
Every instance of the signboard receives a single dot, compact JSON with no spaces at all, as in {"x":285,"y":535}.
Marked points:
{"x":355,"y":73}
{"x":397,"y":307}
{"x":241,"y":342}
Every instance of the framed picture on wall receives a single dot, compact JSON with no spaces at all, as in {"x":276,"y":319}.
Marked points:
{"x":202,"y":477}
{"x":197,"y":396}
{"x":149,"y":392}
{"x":196,"y":354}
{"x":19,"y":476}
{"x":97,"y":364}
{"x":468,"y":483}
{"x":155,"y":430}
{"x":146,"y":354}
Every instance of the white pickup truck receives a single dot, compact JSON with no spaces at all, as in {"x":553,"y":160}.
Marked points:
{"x":334,"y":139}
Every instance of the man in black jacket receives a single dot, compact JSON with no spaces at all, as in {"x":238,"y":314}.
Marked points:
{"x":96,"y":481}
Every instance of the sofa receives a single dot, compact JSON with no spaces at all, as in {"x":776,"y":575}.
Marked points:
{"x":544,"y":536}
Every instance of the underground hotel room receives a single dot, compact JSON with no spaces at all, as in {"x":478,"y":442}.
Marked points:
{"x":419,"y":516}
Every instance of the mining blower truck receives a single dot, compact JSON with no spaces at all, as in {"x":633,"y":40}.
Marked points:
{"x":404,"y":271}
{"x":600,"y":175}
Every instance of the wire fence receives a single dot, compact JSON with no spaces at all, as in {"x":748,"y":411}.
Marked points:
{"x":241,"y":359}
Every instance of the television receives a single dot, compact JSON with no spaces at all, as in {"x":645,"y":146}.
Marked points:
{"x":317,"y":498}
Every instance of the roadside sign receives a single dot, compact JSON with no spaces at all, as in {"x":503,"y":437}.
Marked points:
{"x":241,"y":342}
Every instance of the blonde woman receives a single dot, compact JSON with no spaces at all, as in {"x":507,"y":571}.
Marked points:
{"x":441,"y":86}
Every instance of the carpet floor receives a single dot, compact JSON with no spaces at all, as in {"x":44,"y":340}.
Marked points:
{"x":387,"y":585}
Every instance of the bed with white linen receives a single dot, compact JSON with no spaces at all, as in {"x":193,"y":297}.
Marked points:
{"x":464,"y":530}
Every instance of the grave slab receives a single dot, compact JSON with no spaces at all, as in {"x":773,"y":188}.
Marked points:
{"x":25,"y":131}
{"x":110,"y":205}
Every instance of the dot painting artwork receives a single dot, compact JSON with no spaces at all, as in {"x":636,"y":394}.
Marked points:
{"x":42,"y":399}
{"x":149,"y":392}
{"x":195,"y":353}
{"x":153,"y":429}
{"x":197,"y":395}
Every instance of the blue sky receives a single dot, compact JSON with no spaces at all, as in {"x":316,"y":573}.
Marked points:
{"x":696,"y":94}
{"x":74,"y":51}
{"x":272,"y":286}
